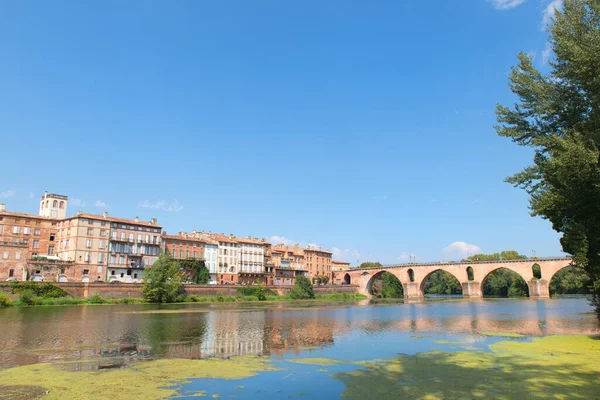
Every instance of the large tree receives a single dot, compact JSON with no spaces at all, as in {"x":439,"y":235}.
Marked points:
{"x":162,"y":282}
{"x":558,"y":116}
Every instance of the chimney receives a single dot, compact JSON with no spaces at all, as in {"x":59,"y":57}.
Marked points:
{"x":105,"y":214}
{"x":153,"y":221}
{"x":136,"y":219}
{"x":79,"y":212}
{"x":45,"y":194}
{"x":2,"y":207}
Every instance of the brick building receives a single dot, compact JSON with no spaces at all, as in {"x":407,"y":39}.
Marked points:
{"x":185,"y":247}
{"x":108,"y":248}
{"x":317,"y":261}
{"x":29,"y":243}
{"x":288,"y":263}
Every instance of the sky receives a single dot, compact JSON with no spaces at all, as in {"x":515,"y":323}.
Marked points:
{"x":363,"y":127}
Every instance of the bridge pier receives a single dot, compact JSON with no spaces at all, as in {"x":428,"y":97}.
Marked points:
{"x":412,"y":290}
{"x":539,"y":288}
{"x":472,"y":289}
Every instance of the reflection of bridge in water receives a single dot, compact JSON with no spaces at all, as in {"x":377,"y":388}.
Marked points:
{"x":470,"y":275}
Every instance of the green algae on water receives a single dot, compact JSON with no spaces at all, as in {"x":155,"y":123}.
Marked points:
{"x":557,"y":367}
{"x":503,"y":334}
{"x":143,"y":380}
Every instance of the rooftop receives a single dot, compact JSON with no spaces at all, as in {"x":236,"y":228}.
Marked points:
{"x":105,"y":217}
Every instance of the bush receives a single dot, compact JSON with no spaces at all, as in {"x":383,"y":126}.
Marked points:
{"x":45,"y":290}
{"x":27,"y":298}
{"x":5,"y":301}
{"x":96,"y":299}
{"x":258,"y":291}
{"x":302,"y":289}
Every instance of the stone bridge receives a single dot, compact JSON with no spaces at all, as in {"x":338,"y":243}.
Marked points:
{"x":470,"y":275}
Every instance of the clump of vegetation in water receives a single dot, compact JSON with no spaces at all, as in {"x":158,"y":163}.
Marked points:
{"x":302,"y":289}
{"x":552,"y":367}
{"x":144,"y":380}
{"x":162,"y":282}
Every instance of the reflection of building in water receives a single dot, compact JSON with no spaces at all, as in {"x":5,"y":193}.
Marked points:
{"x":296,"y":333}
{"x":227,"y":334}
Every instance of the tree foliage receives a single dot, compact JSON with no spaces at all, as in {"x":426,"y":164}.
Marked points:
{"x":558,"y":116}
{"x":504,"y":255}
{"x":504,"y":283}
{"x":386,"y":285}
{"x":441,"y":282}
{"x":194,"y":270}
{"x":302,"y":289}
{"x":162,"y":282}
{"x":570,"y":280}
{"x":370,"y":264}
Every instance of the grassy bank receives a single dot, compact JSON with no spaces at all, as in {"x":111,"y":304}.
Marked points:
{"x":31,"y":300}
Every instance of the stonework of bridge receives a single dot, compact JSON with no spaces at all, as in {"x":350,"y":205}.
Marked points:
{"x":470,"y":275}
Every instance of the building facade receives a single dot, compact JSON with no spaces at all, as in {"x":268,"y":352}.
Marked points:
{"x":252,"y":261}
{"x":108,"y":248}
{"x":318,"y":262}
{"x":288,"y":263}
{"x":227,"y":258}
{"x":185,"y":247}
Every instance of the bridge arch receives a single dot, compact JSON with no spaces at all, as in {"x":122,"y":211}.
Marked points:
{"x":446,"y":270}
{"x":375,"y":276}
{"x":526,"y":287}
{"x":526,"y":276}
{"x":581,"y":288}
{"x":347,"y":280}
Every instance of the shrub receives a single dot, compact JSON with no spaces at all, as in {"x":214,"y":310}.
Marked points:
{"x":27,"y":298}
{"x":46,"y":290}
{"x":96,"y":299}
{"x":302,"y":289}
{"x":5,"y":301}
{"x":258,"y":291}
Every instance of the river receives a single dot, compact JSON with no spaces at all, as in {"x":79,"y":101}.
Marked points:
{"x":94,"y":339}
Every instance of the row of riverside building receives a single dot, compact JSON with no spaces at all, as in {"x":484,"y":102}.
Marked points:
{"x":53,"y":247}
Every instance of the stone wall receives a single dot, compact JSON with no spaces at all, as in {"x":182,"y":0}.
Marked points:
{"x":134,"y":290}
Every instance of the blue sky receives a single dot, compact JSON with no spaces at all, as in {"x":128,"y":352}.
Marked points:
{"x":363,"y":127}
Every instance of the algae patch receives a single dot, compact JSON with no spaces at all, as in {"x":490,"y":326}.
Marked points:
{"x":144,"y":380}
{"x":503,"y":334}
{"x":557,"y":367}
{"x":318,"y":361}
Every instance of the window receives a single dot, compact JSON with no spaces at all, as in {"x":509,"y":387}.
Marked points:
{"x":5,"y":255}
{"x":102,"y":232}
{"x":11,"y":273}
{"x":123,"y":235}
{"x":153,"y":239}
{"x":52,"y":237}
{"x":121,"y":259}
{"x":25,"y":241}
{"x":55,"y":203}
{"x":173,"y":252}
{"x":16,"y":229}
{"x":27,"y":230}
{"x":18,"y":255}
{"x":102,"y":223}
{"x":101,"y":245}
{"x":90,"y":231}
{"x":88,"y":243}
{"x":113,"y":259}
{"x":86,"y":271}
{"x":135,"y":276}
{"x":139,"y":238}
{"x":131,"y":237}
{"x":87,"y":256}
{"x":194,"y":254}
{"x":90,"y":222}
{"x":36,"y":232}
{"x":100,"y":257}
{"x":62,"y":205}
{"x":112,"y":271}
{"x":50,"y":250}
{"x":180,"y":253}
{"x":187,"y":254}
{"x":36,"y":244}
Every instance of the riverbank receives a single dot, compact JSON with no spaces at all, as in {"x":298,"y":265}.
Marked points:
{"x":33,"y":301}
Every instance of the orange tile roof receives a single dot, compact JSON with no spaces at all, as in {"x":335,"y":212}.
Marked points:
{"x":182,"y":238}
{"x":26,"y":215}
{"x":340,"y":262}
{"x":222,"y":238}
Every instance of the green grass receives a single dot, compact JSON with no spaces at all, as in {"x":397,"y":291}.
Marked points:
{"x":29,"y":299}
